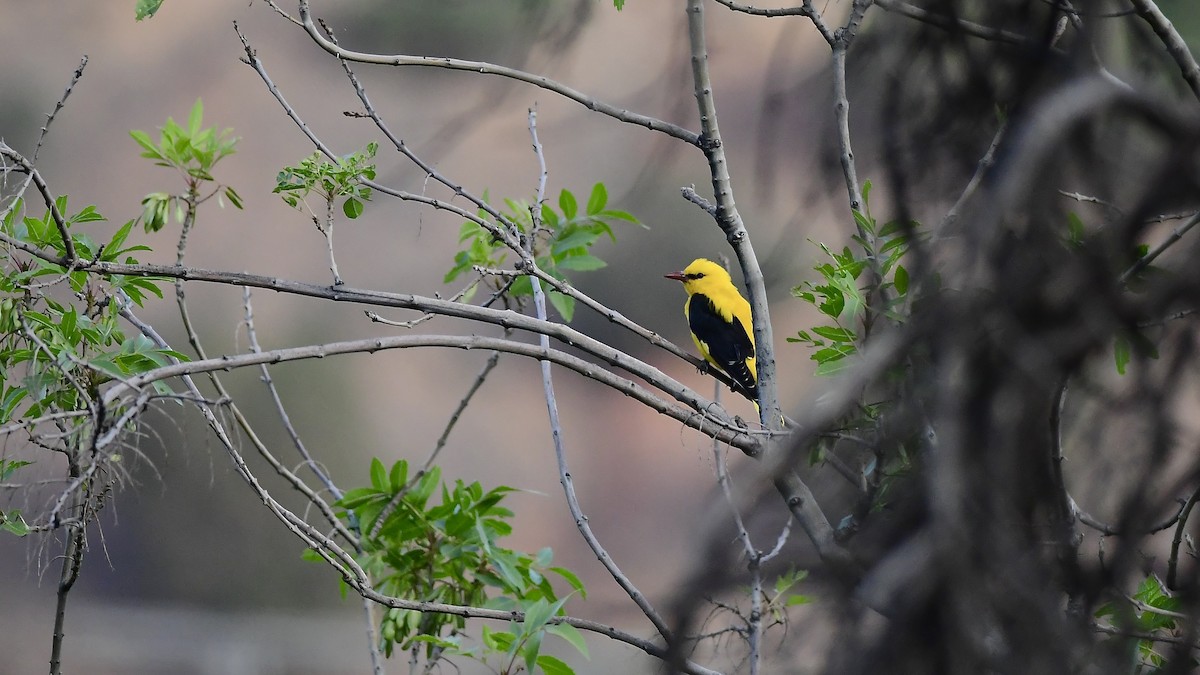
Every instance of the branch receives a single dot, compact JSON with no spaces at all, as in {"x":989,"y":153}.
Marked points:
{"x":805,"y":9}
{"x":615,"y":317}
{"x":1172,"y":40}
{"x":354,"y":575}
{"x":953,"y":23}
{"x":58,"y":106}
{"x":394,"y":502}
{"x":546,"y":83}
{"x":1184,"y":514}
{"x":556,"y":434}
{"x":211,"y":419}
{"x":730,"y":221}
{"x":47,"y":197}
{"x":72,"y":559}
{"x":280,"y":409}
{"x":503,"y":318}
{"x":710,"y":423}
{"x":1144,"y":261}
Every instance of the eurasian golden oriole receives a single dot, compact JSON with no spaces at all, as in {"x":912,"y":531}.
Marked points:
{"x":719,"y":318}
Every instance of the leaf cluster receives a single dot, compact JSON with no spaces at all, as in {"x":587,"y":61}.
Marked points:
{"x":329,"y":180}
{"x":1155,"y":615}
{"x":449,"y":552}
{"x":59,"y":346}
{"x":562,"y":241}
{"x":193,"y":151}
{"x":839,"y":297}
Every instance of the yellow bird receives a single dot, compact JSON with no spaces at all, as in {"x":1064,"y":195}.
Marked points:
{"x":720,"y":321}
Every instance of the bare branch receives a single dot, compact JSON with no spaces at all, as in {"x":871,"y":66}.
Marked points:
{"x":58,"y":106}
{"x":1172,"y":40}
{"x":805,"y":9}
{"x":709,"y":421}
{"x":556,"y":432}
{"x":730,"y":221}
{"x":951,"y":23}
{"x":47,"y":197}
{"x":1145,"y":261}
{"x":546,"y":83}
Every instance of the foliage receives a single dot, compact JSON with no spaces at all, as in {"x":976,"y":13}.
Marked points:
{"x":841,"y":299}
{"x":562,"y":241}
{"x":146,"y":9}
{"x":60,"y":338}
{"x":449,"y":553}
{"x":329,"y":180}
{"x":1155,"y":613}
{"x":193,"y":152}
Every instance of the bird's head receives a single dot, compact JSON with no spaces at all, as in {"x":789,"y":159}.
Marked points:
{"x":701,"y":274}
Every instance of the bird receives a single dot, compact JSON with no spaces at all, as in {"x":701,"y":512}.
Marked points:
{"x":720,"y":321}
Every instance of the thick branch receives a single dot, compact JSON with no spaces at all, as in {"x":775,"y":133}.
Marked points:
{"x":712,"y":422}
{"x":1172,"y":40}
{"x":730,"y":220}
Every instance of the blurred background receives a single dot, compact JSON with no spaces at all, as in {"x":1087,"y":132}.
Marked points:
{"x":188,"y":574}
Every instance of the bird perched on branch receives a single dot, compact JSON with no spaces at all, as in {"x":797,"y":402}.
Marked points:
{"x":720,"y":321}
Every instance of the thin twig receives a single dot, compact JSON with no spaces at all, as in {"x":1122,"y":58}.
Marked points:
{"x":1145,"y":261}
{"x":754,"y":557}
{"x":1184,"y":514}
{"x":205,"y":408}
{"x":394,"y":503}
{"x":981,"y":170}
{"x":58,"y":106}
{"x":48,"y":198}
{"x":541,"y":81}
{"x":805,"y":9}
{"x":280,"y":409}
{"x":556,"y":433}
{"x":951,"y":23}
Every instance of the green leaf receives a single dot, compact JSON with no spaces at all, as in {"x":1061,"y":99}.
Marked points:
{"x":399,"y":475}
{"x":852,"y":296}
{"x":571,"y":634}
{"x":598,"y":199}
{"x":572,"y":579}
{"x":7,"y":468}
{"x":835,"y":334}
{"x":553,"y":666}
{"x":143,"y":139}
{"x":578,"y":239}
{"x":353,"y":208}
{"x":13,"y":523}
{"x":195,"y":118}
{"x":379,"y":475}
{"x":901,"y":280}
{"x":832,"y":367}
{"x":585,"y":262}
{"x":1121,"y":353}
{"x":564,"y":304}
{"x":1075,"y":229}
{"x":568,"y":205}
{"x":233,"y":197}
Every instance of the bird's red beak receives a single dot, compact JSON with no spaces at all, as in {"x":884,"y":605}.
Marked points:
{"x":677,"y":276}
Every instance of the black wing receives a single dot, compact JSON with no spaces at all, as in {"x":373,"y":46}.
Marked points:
{"x":728,"y":344}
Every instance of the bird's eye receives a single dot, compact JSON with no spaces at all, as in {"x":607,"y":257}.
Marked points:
{"x":696,"y":275}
